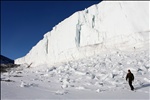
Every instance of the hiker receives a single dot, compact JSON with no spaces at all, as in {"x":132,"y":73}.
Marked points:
{"x":130,"y":78}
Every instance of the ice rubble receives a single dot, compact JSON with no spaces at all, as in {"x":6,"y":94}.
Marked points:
{"x":120,"y":25}
{"x":103,"y":72}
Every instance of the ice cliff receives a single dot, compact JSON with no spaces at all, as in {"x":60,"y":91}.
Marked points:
{"x":109,"y":25}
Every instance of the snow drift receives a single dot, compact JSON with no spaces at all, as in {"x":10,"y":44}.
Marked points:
{"x":119,"y":25}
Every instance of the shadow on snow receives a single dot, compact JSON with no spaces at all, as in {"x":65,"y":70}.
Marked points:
{"x":142,"y":86}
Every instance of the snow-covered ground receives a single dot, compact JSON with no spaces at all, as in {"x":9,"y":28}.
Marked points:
{"x":96,"y":77}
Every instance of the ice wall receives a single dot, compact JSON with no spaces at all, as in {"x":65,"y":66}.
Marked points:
{"x":120,"y":25}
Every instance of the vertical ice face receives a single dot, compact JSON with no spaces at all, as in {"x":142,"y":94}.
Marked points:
{"x":108,"y":25}
{"x":46,"y":46}
{"x":78,"y":32}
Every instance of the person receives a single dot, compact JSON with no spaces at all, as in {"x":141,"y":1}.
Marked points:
{"x":130,"y":79}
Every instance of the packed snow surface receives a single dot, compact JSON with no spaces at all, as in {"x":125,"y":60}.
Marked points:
{"x":96,"y":77}
{"x":121,"y":25}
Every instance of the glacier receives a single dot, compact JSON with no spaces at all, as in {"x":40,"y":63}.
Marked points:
{"x":104,"y":27}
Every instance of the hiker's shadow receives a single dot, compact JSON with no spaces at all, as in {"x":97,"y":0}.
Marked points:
{"x":142,"y":86}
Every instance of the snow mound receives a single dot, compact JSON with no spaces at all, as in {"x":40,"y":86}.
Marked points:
{"x":23,"y":84}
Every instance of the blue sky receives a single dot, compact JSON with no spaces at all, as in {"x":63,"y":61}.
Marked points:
{"x":23,"y":23}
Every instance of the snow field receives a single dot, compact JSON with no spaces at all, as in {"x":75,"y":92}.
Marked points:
{"x":99,"y":74}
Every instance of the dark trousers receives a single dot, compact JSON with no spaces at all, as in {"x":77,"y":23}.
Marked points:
{"x":130,"y":84}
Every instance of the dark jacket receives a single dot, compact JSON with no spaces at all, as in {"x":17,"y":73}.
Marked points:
{"x":130,"y":76}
